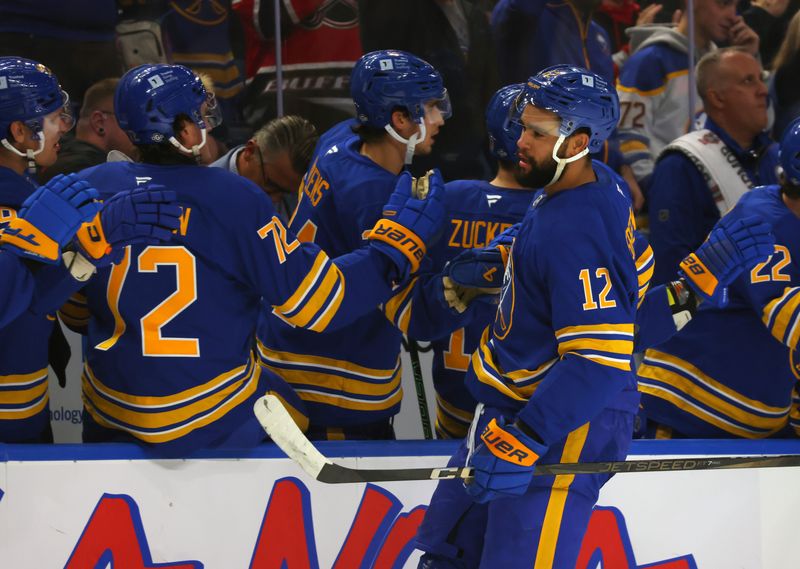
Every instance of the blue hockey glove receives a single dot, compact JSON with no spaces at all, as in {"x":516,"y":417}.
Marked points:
{"x":731,"y":247}
{"x":409,"y":224}
{"x":50,"y":217}
{"x":147,"y":214}
{"x":503,"y":462}
{"x":474,"y":274}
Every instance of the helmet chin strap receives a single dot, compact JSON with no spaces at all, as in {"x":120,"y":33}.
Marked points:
{"x":562,"y":162}
{"x":30,"y":154}
{"x":194,"y":150}
{"x":410,"y":142}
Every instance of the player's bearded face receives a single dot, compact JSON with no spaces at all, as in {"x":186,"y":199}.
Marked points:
{"x":535,"y":174}
{"x":536,"y":166}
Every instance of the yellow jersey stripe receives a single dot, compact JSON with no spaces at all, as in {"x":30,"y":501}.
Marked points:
{"x":154,"y":402}
{"x":177,"y":432}
{"x":632,"y":146}
{"x":332,"y":307}
{"x":624,"y":365}
{"x":704,"y":414}
{"x":783,"y":318}
{"x":308,"y":282}
{"x":349,"y":402}
{"x":351,"y":386}
{"x":25,"y":412}
{"x":309,"y":308}
{"x":657,"y":90}
{"x":269,"y":356}
{"x":394,"y":304}
{"x":300,"y":419}
{"x":453,"y":411}
{"x":23,"y":379}
{"x":482,"y":359}
{"x":624,"y":347}
{"x":554,"y":514}
{"x":595,"y":329}
{"x":526,"y":374}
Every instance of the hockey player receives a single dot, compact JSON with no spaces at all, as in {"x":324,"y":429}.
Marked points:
{"x":170,"y":359}
{"x":33,"y":117}
{"x":553,"y":374}
{"x":696,"y":384}
{"x":350,"y":378}
{"x":477,"y":212}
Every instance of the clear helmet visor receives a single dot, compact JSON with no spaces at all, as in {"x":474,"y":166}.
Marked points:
{"x":212,"y":113}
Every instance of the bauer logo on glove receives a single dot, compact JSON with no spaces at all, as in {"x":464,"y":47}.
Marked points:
{"x":504,"y":445}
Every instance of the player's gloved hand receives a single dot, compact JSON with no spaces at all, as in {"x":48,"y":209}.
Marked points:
{"x":49,"y":218}
{"x":503,"y":461}
{"x":473,"y":274}
{"x":409,"y":224}
{"x":731,"y":247}
{"x":147,"y":215}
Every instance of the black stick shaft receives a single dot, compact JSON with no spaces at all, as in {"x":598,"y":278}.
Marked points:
{"x":419,"y":385}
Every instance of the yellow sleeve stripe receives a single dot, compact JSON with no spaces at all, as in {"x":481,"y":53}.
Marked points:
{"x":644,"y":277}
{"x":624,"y":365}
{"x":453,"y":411}
{"x":632,"y":146}
{"x":26,"y":412}
{"x":394,"y":305}
{"x":622,"y":347}
{"x":24,"y":396}
{"x":596,"y":329}
{"x":318,"y":300}
{"x":305,"y":286}
{"x":483,"y":355}
{"x":783,"y":316}
{"x":333,"y":305}
{"x":526,"y":374}
{"x":326,"y":365}
{"x":657,"y":90}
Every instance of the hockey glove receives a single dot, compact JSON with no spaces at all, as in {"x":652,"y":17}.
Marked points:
{"x":473,"y":274}
{"x":731,"y":247}
{"x":503,"y":462}
{"x":49,"y":218}
{"x":409,"y":224}
{"x":147,"y":214}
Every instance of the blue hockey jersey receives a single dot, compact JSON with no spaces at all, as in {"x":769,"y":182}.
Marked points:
{"x":477,"y":212}
{"x":170,"y":356}
{"x":559,"y":351}
{"x":730,"y":372}
{"x":24,"y":411}
{"x":349,"y":376}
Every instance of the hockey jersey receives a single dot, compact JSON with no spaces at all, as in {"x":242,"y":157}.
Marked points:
{"x":730,"y":372}
{"x":24,"y":410}
{"x":350,"y":376}
{"x":653,"y":92}
{"x":477,"y":212}
{"x":170,"y":356}
{"x":559,"y":351}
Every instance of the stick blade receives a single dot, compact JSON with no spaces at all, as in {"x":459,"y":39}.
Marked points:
{"x":285,"y":433}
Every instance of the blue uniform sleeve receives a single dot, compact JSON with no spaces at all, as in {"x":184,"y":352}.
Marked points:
{"x":654,"y":322}
{"x":592,"y":306}
{"x":682,"y":212}
{"x":305,"y":287}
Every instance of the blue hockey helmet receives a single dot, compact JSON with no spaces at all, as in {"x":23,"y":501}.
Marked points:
{"x":501,"y":124}
{"x":150,"y":97}
{"x":790,"y":153}
{"x":383,"y":80}
{"x":581,"y":99}
{"x":28,"y":92}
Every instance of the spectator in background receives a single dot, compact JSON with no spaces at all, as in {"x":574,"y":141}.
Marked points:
{"x":320,"y":45}
{"x":770,"y":20}
{"x":531,"y":35}
{"x":75,"y":39}
{"x":616,"y":16}
{"x":785,"y":86}
{"x":653,"y":85}
{"x":96,"y":134}
{"x":453,"y":36}
{"x":702,"y":175}
{"x":275,"y":159}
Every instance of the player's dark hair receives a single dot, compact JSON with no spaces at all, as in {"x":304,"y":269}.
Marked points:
{"x":291,"y":134}
{"x":164,"y":153}
{"x":788,"y":189}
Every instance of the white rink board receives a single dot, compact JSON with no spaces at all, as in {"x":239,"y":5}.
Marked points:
{"x":210,"y":512}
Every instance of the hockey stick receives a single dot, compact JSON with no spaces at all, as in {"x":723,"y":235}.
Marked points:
{"x":285,"y":433}
{"x":419,"y":385}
